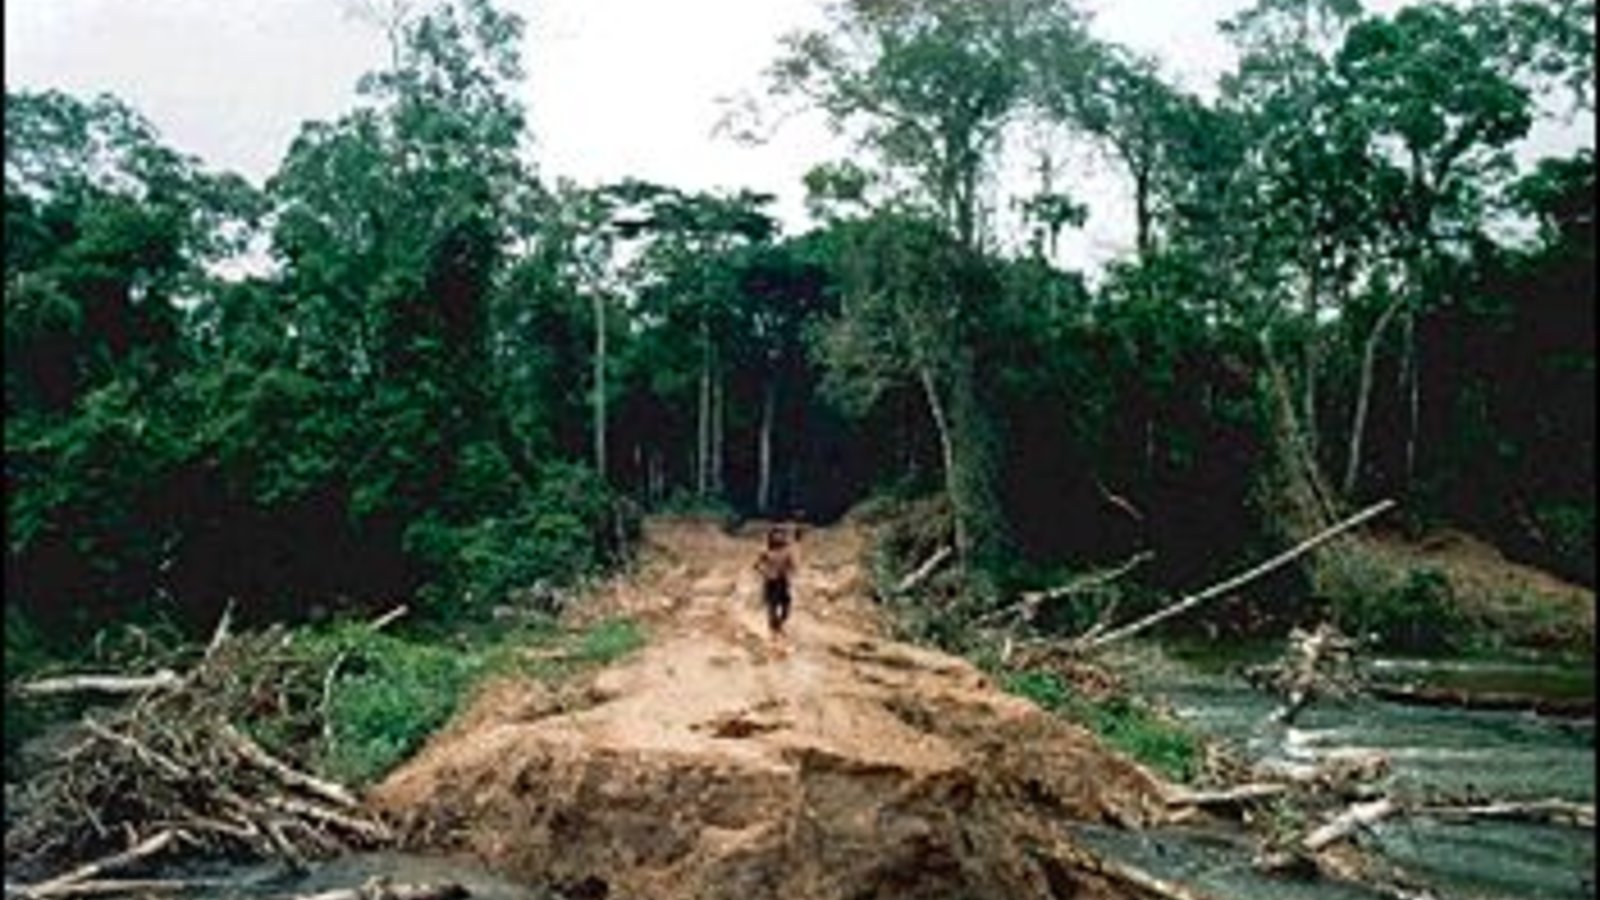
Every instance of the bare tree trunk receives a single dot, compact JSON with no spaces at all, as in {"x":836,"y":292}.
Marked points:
{"x":600,"y":384}
{"x":1308,"y":400}
{"x":930,"y":390}
{"x":718,"y":414}
{"x":968,"y":444}
{"x":702,"y":459}
{"x":1358,"y":418}
{"x":1414,"y":400}
{"x":769,"y":403}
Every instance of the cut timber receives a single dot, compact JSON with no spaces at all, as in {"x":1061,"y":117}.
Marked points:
{"x":1356,"y":816}
{"x":103,"y":684}
{"x":1243,"y":578}
{"x":1414,"y":695}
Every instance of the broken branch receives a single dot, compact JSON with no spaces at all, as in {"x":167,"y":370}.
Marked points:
{"x":104,"y":684}
{"x":921,"y":573}
{"x":61,"y":884}
{"x":1032,"y":600}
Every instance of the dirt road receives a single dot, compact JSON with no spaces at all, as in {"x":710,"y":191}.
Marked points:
{"x":716,"y":762}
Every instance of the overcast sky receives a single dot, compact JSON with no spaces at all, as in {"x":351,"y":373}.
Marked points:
{"x":615,"y":87}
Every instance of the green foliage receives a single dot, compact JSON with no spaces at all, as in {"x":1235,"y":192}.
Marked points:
{"x":1408,"y":610}
{"x":1124,"y":723}
{"x":392,"y":692}
{"x":390,"y":695}
{"x":1043,"y":688}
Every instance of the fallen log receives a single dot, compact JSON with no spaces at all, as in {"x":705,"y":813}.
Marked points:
{"x":1549,"y":812}
{"x":1234,"y":796}
{"x":1237,"y":581}
{"x":1418,"y":695}
{"x":1029,"y":605}
{"x":1354,"y":817}
{"x":89,"y":683}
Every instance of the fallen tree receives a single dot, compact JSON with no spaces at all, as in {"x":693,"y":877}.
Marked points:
{"x":1233,"y":583}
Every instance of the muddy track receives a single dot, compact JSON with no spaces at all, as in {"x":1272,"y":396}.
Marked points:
{"x":717,"y":762}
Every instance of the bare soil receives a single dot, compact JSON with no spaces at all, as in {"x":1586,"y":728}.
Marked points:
{"x":718,"y":762}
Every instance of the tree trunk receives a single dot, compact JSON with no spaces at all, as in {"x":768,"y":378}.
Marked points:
{"x":1308,"y":401}
{"x":600,"y":384}
{"x":1358,"y":418}
{"x":702,"y":457}
{"x":718,"y":414}
{"x":1141,"y":212}
{"x":769,"y":403}
{"x":1301,"y":498}
{"x":968,"y":445}
{"x":1414,"y":398}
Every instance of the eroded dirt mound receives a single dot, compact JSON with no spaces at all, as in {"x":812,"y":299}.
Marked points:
{"x":716,"y":763}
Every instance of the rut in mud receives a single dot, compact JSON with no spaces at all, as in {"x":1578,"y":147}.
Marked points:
{"x":717,"y":763}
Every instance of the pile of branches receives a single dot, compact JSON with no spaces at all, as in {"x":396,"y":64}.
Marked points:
{"x":1317,"y":663}
{"x":173,"y":766}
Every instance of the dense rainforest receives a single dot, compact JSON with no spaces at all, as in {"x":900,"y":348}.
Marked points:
{"x":408,"y":368}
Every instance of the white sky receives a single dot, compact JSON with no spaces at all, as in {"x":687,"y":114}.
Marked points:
{"x":615,"y":87}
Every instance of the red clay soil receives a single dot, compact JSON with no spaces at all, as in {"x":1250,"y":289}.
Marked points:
{"x":717,"y":763}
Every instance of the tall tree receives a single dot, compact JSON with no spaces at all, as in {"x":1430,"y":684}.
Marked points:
{"x":929,"y":87}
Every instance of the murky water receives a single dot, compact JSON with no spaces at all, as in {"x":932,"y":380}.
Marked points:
{"x":272,"y":881}
{"x":1504,"y":755}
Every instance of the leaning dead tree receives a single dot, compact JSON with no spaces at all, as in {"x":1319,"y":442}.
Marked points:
{"x":1184,"y":604}
{"x":174,"y":767}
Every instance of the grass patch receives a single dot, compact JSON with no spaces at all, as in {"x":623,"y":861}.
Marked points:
{"x":609,"y":641}
{"x":391,"y":692}
{"x":1122,"y":722}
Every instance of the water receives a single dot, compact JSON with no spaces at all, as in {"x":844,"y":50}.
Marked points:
{"x":1432,"y":751}
{"x":351,"y":871}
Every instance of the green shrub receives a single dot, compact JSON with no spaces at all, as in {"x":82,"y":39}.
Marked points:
{"x":1569,"y":529}
{"x":1408,"y":610}
{"x":571,"y":525}
{"x":397,"y":694}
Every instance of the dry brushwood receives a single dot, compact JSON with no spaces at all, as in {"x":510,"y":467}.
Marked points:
{"x":174,"y":765}
{"x":1319,"y":662}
